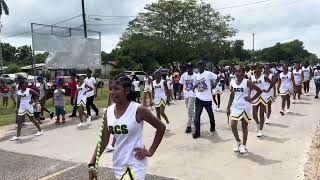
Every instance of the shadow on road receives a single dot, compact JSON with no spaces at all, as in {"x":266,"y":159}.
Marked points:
{"x":278,"y":125}
{"x":275,"y":139}
{"x":214,"y":137}
{"x":258,"y":159}
{"x":168,"y":134}
{"x":296,"y":114}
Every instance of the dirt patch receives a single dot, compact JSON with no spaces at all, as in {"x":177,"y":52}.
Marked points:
{"x":312,"y":168}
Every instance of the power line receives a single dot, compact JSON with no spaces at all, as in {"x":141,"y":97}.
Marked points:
{"x":42,"y":27}
{"x":241,"y":5}
{"x":121,"y":16}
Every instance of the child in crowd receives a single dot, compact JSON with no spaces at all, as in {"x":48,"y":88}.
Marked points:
{"x":58,"y":101}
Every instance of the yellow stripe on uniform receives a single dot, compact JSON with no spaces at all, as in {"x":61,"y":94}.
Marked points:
{"x":286,"y":93}
{"x":260,"y":100}
{"x":81,"y":103}
{"x":243,"y":115}
{"x":128,"y":175}
{"x":25,"y":112}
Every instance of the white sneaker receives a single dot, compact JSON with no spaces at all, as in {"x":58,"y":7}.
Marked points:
{"x":110,"y":148}
{"x":39,"y":133}
{"x":259,"y":133}
{"x":305,"y":94}
{"x":298,"y":101}
{"x":267,"y":121}
{"x":217,"y":109}
{"x":168,"y":127}
{"x":80,"y":125}
{"x":88,"y":120}
{"x":287,"y":110}
{"x":236,"y":147}
{"x":14,"y":138}
{"x":243,"y":149}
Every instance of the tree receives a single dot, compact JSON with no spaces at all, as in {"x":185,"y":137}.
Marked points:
{"x":180,"y":30}
{"x":3,"y":8}
{"x":13,"y":68}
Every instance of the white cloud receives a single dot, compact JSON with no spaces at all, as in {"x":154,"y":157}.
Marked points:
{"x":272,"y":22}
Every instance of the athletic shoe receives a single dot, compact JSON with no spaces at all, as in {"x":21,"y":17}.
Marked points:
{"x":168,"y":127}
{"x":89,"y":120}
{"x":51,"y":115}
{"x":267,"y":121}
{"x":217,"y":109}
{"x":298,"y":101}
{"x":259,"y":134}
{"x":236,"y":147}
{"x":305,"y":94}
{"x":188,"y":130}
{"x":80,"y":125}
{"x":39,"y":133}
{"x":287,"y":110}
{"x":243,"y":149}
{"x":195,"y":136}
{"x":110,"y":148}
{"x":316,"y":97}
{"x":294,"y":101}
{"x":282,"y":113}
{"x":15,"y":138}
{"x":213,"y":128}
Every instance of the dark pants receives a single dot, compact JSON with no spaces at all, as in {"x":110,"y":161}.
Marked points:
{"x":199,"y":107}
{"x":75,"y":107}
{"x":90,"y":104}
{"x":176,"y":90}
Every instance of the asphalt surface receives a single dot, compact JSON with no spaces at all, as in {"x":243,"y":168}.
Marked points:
{"x":16,"y":166}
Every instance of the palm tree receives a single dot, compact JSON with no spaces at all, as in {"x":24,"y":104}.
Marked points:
{"x":3,"y":8}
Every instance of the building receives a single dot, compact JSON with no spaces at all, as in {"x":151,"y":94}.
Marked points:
{"x":107,"y":67}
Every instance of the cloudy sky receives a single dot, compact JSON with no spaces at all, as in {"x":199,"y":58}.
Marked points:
{"x":272,"y":21}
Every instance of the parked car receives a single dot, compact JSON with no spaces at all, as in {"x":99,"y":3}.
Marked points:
{"x":7,"y":78}
{"x":139,"y":74}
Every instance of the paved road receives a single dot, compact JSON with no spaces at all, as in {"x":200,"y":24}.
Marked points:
{"x":278,"y":155}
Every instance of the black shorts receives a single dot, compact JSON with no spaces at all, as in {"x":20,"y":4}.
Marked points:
{"x":36,"y":115}
{"x":137,"y":94}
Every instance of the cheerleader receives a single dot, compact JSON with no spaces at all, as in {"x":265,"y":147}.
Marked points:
{"x":25,"y":107}
{"x":259,"y":105}
{"x":160,"y":93}
{"x":147,"y":89}
{"x":307,"y":73}
{"x":298,"y":79}
{"x":169,"y":80}
{"x":217,"y":91}
{"x":125,"y":121}
{"x":240,"y":109}
{"x":82,"y":89}
{"x":271,"y":95}
{"x":316,"y":76}
{"x":285,"y":88}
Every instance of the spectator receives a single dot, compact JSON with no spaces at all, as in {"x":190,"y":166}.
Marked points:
{"x":5,"y":95}
{"x":136,"y":85}
{"x":43,"y":92}
{"x":73,"y":90}
{"x":37,"y":110}
{"x":91,"y":82}
{"x":176,"y":85}
{"x":58,"y":101}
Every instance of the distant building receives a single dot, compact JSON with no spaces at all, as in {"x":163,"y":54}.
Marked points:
{"x":107,"y":67}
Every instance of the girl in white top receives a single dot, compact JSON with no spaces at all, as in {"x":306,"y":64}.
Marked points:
{"x":285,"y":87}
{"x":25,"y":107}
{"x":260,"y":104}
{"x":81,"y":97}
{"x":307,"y":73}
{"x":316,"y":77}
{"x":160,"y":92}
{"x":136,"y":86}
{"x":169,"y":80}
{"x":217,"y":91}
{"x":271,"y":95}
{"x":147,"y":89}
{"x":298,"y":79}
{"x":125,"y":121}
{"x":239,"y":107}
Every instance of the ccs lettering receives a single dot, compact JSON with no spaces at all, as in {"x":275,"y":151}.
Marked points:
{"x":123,"y":129}
{"x":257,"y":82}
{"x":238,"y":89}
{"x":23,"y":95}
{"x":285,"y":77}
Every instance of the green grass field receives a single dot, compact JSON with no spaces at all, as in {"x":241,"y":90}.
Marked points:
{"x":7,"y":116}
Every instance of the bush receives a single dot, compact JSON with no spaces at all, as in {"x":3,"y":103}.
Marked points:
{"x":13,"y":68}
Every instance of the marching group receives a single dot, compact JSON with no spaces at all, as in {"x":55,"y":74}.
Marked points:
{"x":252,"y":93}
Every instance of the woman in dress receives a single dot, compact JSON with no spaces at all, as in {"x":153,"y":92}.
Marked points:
{"x":285,"y":88}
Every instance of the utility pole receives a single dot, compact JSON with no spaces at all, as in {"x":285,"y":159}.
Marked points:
{"x":84,"y":19}
{"x":253,"y":34}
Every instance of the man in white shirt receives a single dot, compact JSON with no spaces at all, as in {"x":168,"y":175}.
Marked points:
{"x":91,"y":81}
{"x":188,"y":80}
{"x":203,"y":87}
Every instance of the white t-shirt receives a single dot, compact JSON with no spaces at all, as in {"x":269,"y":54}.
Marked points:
{"x":90,"y":82}
{"x":204,"y":85}
{"x":136,"y":85}
{"x":188,"y":81}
